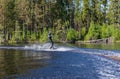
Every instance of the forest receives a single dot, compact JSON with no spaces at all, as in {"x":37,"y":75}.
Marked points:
{"x":30,"y":20}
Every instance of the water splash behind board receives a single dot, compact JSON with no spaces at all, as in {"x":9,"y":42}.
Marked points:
{"x":46,"y":47}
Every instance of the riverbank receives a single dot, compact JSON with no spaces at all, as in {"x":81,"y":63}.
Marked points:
{"x":97,"y":41}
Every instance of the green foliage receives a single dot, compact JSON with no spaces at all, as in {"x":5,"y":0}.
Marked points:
{"x":10,"y":14}
{"x":56,"y":37}
{"x":28,"y":36}
{"x":33,"y":36}
{"x":85,"y":9}
{"x":22,"y":17}
{"x":115,"y":33}
{"x":72,"y":34}
{"x":1,"y":27}
{"x":60,"y":35}
{"x":110,"y":31}
{"x":16,"y":35}
{"x":15,"y":38}
{"x":44,"y":36}
{"x":83,"y":32}
{"x":106,"y":31}
{"x":93,"y":32}
{"x":113,"y":13}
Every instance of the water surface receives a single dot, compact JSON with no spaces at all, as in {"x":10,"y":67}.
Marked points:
{"x":29,"y":62}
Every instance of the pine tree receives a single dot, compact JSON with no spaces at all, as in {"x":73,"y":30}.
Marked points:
{"x":78,"y":12}
{"x":10,"y":18}
{"x":114,"y":12}
{"x":104,"y":9}
{"x":86,"y":14}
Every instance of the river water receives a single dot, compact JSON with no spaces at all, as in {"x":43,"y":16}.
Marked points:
{"x":64,"y":62}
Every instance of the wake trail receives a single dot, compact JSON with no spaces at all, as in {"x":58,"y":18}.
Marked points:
{"x":45,"y":47}
{"x":113,"y":54}
{"x":39,"y":47}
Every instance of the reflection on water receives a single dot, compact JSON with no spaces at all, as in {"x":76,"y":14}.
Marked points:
{"x":110,"y":46}
{"x":18,"y":62}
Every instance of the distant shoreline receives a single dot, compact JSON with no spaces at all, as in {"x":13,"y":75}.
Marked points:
{"x":98,"y":41}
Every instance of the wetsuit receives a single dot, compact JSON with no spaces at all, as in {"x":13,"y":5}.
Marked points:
{"x":50,"y":40}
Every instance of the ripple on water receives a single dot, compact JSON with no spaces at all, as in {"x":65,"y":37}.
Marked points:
{"x":107,"y":69}
{"x":69,"y":63}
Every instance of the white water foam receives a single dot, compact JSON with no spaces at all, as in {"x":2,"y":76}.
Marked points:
{"x":39,"y":47}
{"x":46,"y":47}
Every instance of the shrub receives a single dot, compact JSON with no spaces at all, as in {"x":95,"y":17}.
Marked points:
{"x":106,"y":31}
{"x":44,"y":36}
{"x":33,"y":37}
{"x":83,"y":32}
{"x":60,"y":35}
{"x":93,"y":32}
{"x":115,"y":33}
{"x":72,"y":34}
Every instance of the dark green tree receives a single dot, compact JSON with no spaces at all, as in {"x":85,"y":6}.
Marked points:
{"x":9,"y":19}
{"x":114,"y":12}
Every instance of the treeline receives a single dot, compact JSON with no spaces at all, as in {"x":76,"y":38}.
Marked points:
{"x":30,"y":20}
